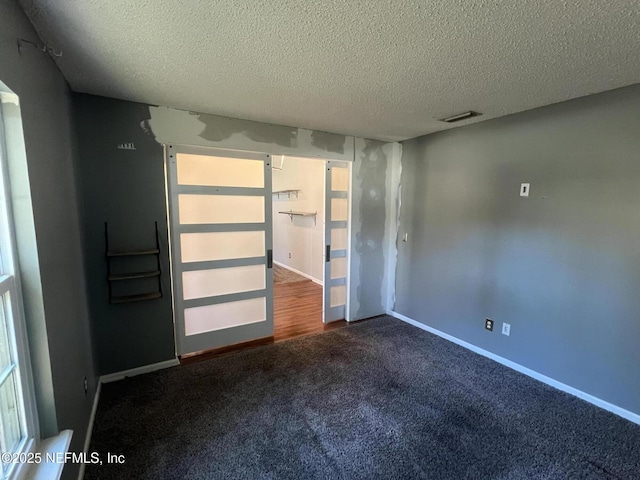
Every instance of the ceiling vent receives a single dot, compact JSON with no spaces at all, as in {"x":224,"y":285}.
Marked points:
{"x":460,"y":116}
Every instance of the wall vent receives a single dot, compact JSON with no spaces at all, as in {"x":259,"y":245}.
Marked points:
{"x":460,"y":116}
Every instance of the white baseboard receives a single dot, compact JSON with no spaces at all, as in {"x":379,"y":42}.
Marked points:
{"x":92,"y":418}
{"x":633,"y":417}
{"x":313,"y":279}
{"x":114,"y":377}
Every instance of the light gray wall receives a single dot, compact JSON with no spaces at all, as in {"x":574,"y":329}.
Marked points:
{"x":126,"y":188}
{"x":55,"y":300}
{"x":562,"y":266}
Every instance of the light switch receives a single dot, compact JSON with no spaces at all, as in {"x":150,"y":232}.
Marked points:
{"x":506,"y":329}
{"x":524,"y":189}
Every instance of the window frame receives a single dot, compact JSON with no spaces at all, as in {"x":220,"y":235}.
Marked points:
{"x":16,"y":326}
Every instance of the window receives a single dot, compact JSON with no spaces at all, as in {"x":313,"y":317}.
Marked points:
{"x":17,"y":409}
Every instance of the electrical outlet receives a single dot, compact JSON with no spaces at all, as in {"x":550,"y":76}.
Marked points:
{"x":524,"y":189}
{"x":506,"y":329}
{"x":86,"y":386}
{"x":488,"y":324}
{"x":289,"y":254}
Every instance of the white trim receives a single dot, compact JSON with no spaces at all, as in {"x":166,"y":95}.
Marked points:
{"x":114,"y":377}
{"x":324,"y":239}
{"x":45,"y":470}
{"x":24,"y":471}
{"x":15,"y":321}
{"x":313,"y":279}
{"x":631,"y":416}
{"x":92,"y":418}
{"x":347,"y":305}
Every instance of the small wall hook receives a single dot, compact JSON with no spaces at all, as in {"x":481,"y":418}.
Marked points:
{"x":22,"y":43}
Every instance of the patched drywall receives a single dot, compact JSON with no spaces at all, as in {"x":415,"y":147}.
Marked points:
{"x":218,"y":129}
{"x":561,"y":266}
{"x":371,"y":202}
{"x":169,"y":125}
{"x":328,"y":141}
{"x":368,"y":286}
{"x":392,"y":222}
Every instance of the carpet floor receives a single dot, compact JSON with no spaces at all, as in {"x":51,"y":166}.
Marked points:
{"x":375,"y":400}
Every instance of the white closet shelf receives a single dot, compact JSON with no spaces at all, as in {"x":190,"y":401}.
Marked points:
{"x":287,"y":192}
{"x":292,"y":214}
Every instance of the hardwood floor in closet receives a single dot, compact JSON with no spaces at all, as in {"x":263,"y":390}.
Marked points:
{"x":298,"y":310}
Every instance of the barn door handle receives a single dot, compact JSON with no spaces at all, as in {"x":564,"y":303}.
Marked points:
{"x":327,"y":257}
{"x":269,"y":258}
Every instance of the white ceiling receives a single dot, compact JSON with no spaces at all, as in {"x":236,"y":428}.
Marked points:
{"x":381,"y":69}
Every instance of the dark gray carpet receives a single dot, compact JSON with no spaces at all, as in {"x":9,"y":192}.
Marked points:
{"x":376,"y":400}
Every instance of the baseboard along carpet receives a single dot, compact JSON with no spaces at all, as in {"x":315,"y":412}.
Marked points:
{"x":375,"y":400}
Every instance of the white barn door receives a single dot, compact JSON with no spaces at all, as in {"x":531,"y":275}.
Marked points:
{"x":336,"y":240}
{"x":221,"y":246}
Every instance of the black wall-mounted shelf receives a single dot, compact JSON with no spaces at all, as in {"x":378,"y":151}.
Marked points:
{"x":136,"y":298}
{"x":132,"y":253}
{"x":131,"y":276}
{"x":113,"y":255}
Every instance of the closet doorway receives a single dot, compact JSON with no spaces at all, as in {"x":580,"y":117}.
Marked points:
{"x":310,"y":236}
{"x":236,"y":216}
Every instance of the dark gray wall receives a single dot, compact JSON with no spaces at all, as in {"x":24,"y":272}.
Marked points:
{"x":126,"y":189}
{"x":59,"y":337}
{"x":562,"y":266}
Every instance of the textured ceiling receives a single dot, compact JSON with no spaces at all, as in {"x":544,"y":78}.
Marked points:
{"x":381,"y":69}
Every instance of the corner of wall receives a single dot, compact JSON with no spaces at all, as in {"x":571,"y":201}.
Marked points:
{"x":392,"y":222}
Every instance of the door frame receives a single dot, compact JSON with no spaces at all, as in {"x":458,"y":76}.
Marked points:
{"x":349,"y":165}
{"x":205,"y":150}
